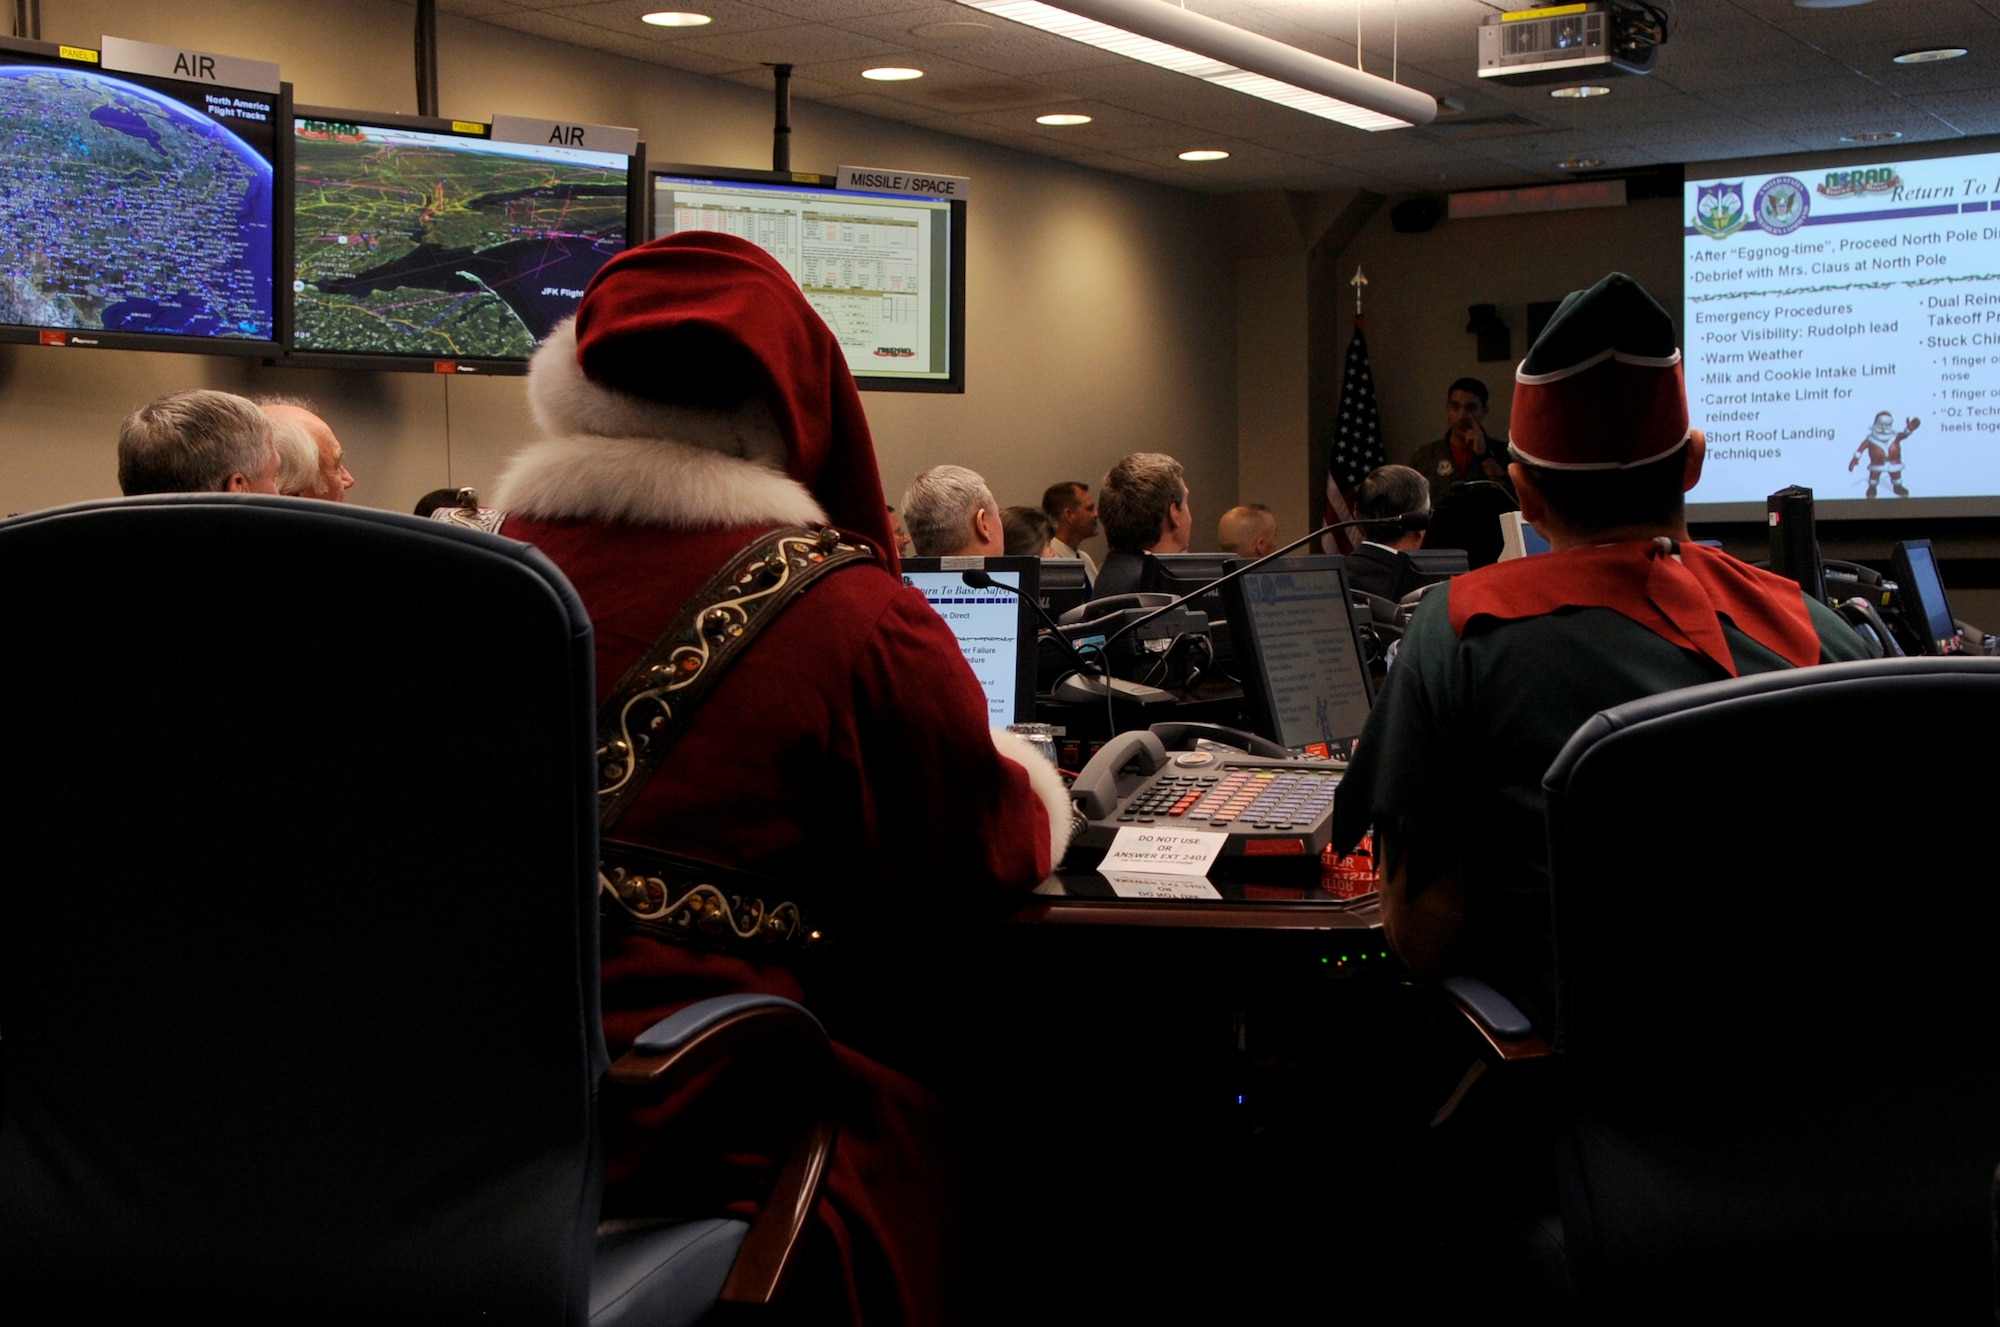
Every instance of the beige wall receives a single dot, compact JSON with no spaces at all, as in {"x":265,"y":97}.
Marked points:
{"x":1100,"y":310}
{"x":1420,"y":286}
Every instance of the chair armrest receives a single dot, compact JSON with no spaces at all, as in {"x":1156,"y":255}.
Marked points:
{"x":1504,"y":1027}
{"x":678,"y":1047}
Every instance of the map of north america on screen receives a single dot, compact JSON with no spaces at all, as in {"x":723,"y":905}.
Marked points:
{"x":128,"y":211}
{"x":413,"y":243}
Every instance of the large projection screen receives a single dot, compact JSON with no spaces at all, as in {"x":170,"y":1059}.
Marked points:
{"x":1842,"y":331}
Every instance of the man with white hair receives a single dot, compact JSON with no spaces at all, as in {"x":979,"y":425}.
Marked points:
{"x":950,"y":512}
{"x":197,"y":441}
{"x":311,"y":461}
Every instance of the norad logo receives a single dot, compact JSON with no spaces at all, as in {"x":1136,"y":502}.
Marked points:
{"x":1718,"y":210}
{"x":1874,"y":180}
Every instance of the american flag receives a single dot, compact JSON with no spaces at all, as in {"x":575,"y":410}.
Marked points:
{"x":1357,"y":444}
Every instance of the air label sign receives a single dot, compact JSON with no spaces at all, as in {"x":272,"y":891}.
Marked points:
{"x":561,"y":133}
{"x":142,"y":57}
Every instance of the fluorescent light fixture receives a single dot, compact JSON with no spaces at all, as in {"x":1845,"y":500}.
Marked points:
{"x":1169,"y":37}
{"x":1062,"y":119}
{"x":672,"y":18}
{"x":891,"y":74}
{"x":1205,"y":154}
{"x":1929,"y":55}
{"x":1581,"y":90}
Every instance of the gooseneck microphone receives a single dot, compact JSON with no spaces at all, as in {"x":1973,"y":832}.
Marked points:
{"x":1408,"y":522}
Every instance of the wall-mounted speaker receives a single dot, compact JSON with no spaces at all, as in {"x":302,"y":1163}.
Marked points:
{"x":1414,"y":216}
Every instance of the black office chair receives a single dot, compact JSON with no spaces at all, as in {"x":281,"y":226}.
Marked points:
{"x":1777,"y":1026}
{"x":1469,"y":519}
{"x":298,"y":936}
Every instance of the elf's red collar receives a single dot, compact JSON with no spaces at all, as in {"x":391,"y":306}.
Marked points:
{"x":1679,"y":592}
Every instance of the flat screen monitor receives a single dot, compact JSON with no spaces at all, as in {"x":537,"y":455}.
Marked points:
{"x":1063,"y":585}
{"x":1305,"y":681}
{"x":423,"y":245}
{"x":1441,"y":564}
{"x":886,"y":271}
{"x":1920,"y":589}
{"x":1840,"y":319}
{"x":1186,"y":573}
{"x":139,"y":213}
{"x":996,"y":630}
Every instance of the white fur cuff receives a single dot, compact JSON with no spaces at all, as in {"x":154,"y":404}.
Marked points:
{"x":1048,"y":786}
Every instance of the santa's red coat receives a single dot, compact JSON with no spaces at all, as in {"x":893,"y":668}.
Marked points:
{"x":847,"y":747}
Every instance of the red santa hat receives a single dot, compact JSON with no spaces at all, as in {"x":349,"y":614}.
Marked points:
{"x":701,"y":319}
{"x":1601,"y":387}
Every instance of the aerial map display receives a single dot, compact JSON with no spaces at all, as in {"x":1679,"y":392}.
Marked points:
{"x":440,"y":246}
{"x":127,"y":210}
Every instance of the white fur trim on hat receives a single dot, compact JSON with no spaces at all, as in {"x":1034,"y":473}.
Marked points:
{"x":1048,"y":786}
{"x":566,"y":401}
{"x":649,"y":481}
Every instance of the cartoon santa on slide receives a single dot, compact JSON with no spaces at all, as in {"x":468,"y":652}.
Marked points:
{"x":1884,"y":449}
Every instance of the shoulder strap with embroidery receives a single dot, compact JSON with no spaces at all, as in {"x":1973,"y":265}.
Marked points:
{"x":657,"y":698}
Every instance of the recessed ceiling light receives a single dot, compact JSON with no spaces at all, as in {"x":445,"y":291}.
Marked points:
{"x":1062,"y":119}
{"x":673,"y":18}
{"x":1873,"y":136}
{"x":1581,"y":90}
{"x":1204,"y":154}
{"x":1929,"y":54}
{"x":892,"y":74}
{"x":1580,"y":163}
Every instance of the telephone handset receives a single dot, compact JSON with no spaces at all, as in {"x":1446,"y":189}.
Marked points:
{"x":1202,"y":776}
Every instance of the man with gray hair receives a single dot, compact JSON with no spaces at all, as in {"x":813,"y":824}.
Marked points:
{"x":197,"y":441}
{"x":310,"y":457}
{"x":950,"y":512}
{"x":1378,"y":566}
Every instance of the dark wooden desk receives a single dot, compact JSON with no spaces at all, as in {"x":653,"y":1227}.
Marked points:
{"x":1190,"y":1075}
{"x":1282,"y":898}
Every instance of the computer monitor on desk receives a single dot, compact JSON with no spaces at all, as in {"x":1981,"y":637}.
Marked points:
{"x":1184,"y":573}
{"x":1438,"y":564}
{"x":1305,"y":680}
{"x":1064,"y":585}
{"x":995,"y":630}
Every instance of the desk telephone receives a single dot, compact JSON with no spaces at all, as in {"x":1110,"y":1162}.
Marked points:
{"x":1201,"y":776}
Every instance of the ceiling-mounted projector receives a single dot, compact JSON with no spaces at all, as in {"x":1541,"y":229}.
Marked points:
{"x":1562,"y":43}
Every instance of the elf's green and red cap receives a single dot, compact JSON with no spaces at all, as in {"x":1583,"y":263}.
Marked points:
{"x":1601,"y":387}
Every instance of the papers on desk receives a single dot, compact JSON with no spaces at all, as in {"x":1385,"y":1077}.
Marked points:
{"x":1136,"y":884}
{"x":1150,"y":850}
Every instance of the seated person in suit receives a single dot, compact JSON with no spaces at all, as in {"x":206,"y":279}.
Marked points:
{"x":695,"y":404}
{"x":1377,"y":567}
{"x":1249,"y":531}
{"x":950,"y":512}
{"x":1143,"y":503}
{"x":1498,"y":668}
